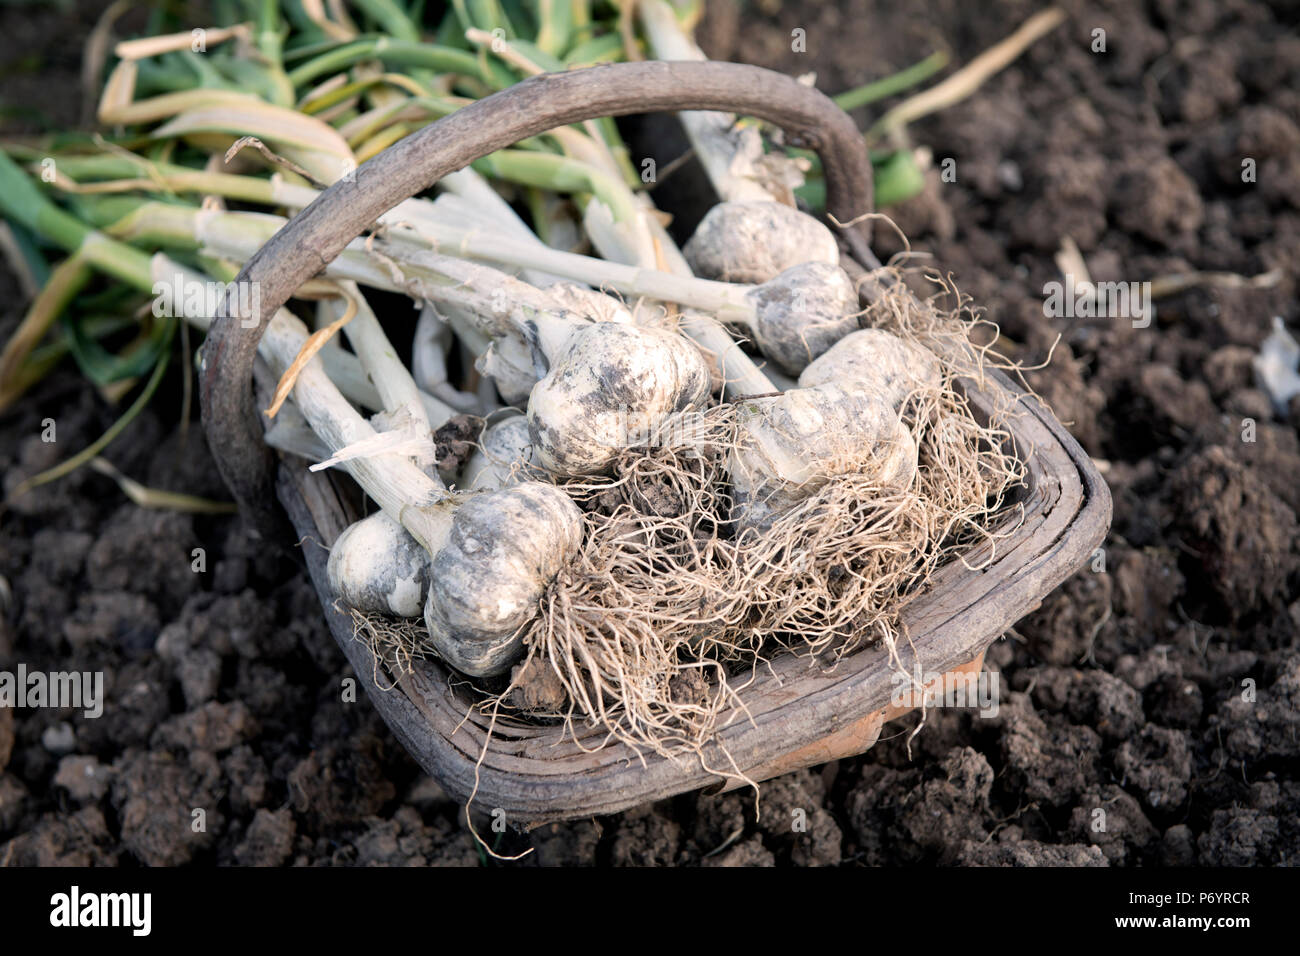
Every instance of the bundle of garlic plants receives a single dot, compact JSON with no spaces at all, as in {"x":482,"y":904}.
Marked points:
{"x":686,"y":460}
{"x":724,"y":514}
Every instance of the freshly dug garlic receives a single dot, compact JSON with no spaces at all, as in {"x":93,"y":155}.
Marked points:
{"x":879,"y":362}
{"x":495,"y":552}
{"x":609,"y":381}
{"x":603,"y":377}
{"x":504,"y":445}
{"x":788,"y":447}
{"x":793,"y":317}
{"x":801,"y":313}
{"x":502,"y":551}
{"x":754,"y":241}
{"x":376,"y":566}
{"x":581,"y":300}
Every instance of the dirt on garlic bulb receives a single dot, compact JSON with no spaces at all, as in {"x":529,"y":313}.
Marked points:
{"x":789,"y":446}
{"x":879,"y":362}
{"x":376,"y":567}
{"x":754,"y":241}
{"x":502,"y":551}
{"x":802,"y":313}
{"x":612,"y":380}
{"x":515,"y":358}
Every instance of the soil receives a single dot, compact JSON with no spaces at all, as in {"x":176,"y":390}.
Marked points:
{"x":1150,"y":708}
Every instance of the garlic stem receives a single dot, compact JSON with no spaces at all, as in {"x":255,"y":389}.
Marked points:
{"x":428,"y":349}
{"x":710,"y":133}
{"x":793,"y":318}
{"x":403,"y":490}
{"x":468,"y":185}
{"x":397,"y":389}
{"x":343,"y":367}
{"x":291,"y":434}
{"x":740,"y":375}
{"x":450,"y":281}
{"x":429,"y":345}
{"x":729,"y":300}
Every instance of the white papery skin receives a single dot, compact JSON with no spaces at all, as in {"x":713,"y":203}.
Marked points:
{"x":376,"y":566}
{"x":501,"y":551}
{"x":505,"y":547}
{"x":505,"y":450}
{"x":801,"y":313}
{"x":788,"y":447}
{"x":754,"y":241}
{"x":594,"y":305}
{"x":878,"y":362}
{"x":612,"y":381}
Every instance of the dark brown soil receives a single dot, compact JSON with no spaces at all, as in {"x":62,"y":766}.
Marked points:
{"x":1160,"y":695}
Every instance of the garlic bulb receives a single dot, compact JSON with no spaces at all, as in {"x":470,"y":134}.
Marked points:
{"x":879,"y":362}
{"x":495,"y":553}
{"x":754,"y":241}
{"x":610,"y":381}
{"x":789,"y":446}
{"x":505,"y":450}
{"x":377,"y":567}
{"x":802,"y":313}
{"x":595,"y":305}
{"x":502,"y":551}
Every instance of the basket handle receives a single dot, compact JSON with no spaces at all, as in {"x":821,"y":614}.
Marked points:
{"x":309,"y":241}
